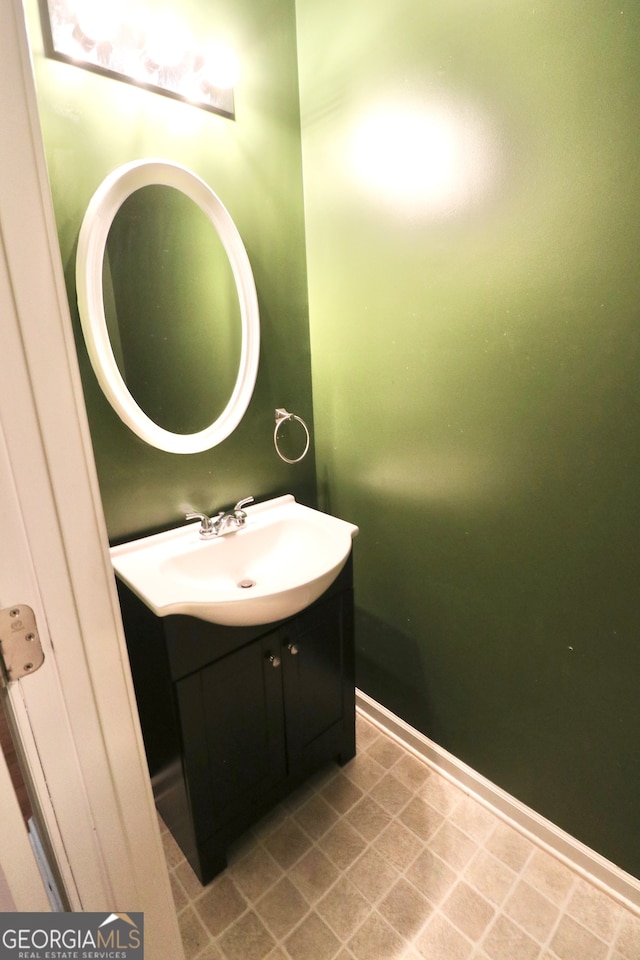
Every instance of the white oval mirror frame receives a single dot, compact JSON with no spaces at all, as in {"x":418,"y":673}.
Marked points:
{"x":103,"y":207}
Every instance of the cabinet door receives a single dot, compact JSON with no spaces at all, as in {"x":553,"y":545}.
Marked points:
{"x":233,"y":729}
{"x":316,"y":684}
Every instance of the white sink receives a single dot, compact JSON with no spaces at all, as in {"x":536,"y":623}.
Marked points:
{"x":286,"y":555}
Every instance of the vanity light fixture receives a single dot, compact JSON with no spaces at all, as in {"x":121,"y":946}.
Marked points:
{"x":149,"y":49}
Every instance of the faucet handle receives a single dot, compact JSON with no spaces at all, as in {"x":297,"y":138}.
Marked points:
{"x":202,"y":517}
{"x":209,"y":526}
{"x":238,"y":511}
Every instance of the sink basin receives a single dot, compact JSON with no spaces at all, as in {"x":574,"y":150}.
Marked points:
{"x":282,"y":560}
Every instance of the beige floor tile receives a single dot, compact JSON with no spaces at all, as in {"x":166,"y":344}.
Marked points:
{"x":506,"y":941}
{"x":220,"y":904}
{"x":391,"y":794}
{"x":441,"y":941}
{"x":190,"y":883}
{"x":247,"y":939}
{"x":315,"y":816}
{"x":421,"y":817}
{"x":405,"y":909}
{"x":376,"y":938}
{"x":411,"y":771}
{"x":551,"y":877}
{"x":312,"y":940}
{"x":210,"y":952}
{"x":384,"y":859}
{"x":385,"y":751}
{"x":535,"y":914}
{"x":179,"y":896}
{"x":313,"y":874}
{"x":277,"y":954}
{"x":452,"y":845}
{"x":343,"y":908}
{"x":628,"y":937}
{"x":572,"y":940}
{"x":287,"y":843}
{"x":441,"y":794}
{"x":373,"y":875}
{"x":473,"y":819}
{"x":364,"y":771}
{"x":341,"y":793}
{"x":368,"y":818}
{"x":282,"y":908}
{"x":193,"y":934}
{"x":594,"y":910}
{"x":432,"y":876}
{"x":399,"y":844}
{"x":490,"y":876}
{"x":342,"y":844}
{"x":468,"y":911}
{"x":172,"y":852}
{"x":255,"y":873}
{"x":508,"y":845}
{"x":366,"y":732}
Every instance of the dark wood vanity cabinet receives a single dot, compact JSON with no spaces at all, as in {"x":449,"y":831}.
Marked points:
{"x":234,"y":718}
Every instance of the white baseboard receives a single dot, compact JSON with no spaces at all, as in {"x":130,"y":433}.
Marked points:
{"x":545,"y":834}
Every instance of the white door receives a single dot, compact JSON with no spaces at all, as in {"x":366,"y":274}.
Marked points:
{"x":76,"y":716}
{"x":19,"y":873}
{"x":21,"y":887}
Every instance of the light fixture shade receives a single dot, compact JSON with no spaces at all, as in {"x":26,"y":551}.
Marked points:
{"x":101,"y":36}
{"x":220,"y":68}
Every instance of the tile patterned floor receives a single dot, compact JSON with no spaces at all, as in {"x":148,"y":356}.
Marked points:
{"x":384,"y":859}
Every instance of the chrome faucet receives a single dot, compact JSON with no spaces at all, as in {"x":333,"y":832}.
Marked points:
{"x":228,"y":522}
{"x":223,"y":523}
{"x":207,"y":524}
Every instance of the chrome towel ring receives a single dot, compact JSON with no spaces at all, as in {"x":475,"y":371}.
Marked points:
{"x":281,"y":416}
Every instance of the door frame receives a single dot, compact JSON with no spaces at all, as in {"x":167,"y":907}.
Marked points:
{"x":76,"y":718}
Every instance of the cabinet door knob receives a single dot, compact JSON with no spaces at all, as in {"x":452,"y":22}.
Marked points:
{"x":292,"y":648}
{"x":273,"y":659}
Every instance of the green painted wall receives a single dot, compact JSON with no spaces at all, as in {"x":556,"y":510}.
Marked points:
{"x":472,"y":226}
{"x":472,"y":191}
{"x":92,"y":125}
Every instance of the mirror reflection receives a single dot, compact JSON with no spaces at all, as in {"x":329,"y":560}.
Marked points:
{"x":172,"y":308}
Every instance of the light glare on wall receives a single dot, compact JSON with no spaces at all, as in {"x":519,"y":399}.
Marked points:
{"x":432,"y":158}
{"x":153,"y":50}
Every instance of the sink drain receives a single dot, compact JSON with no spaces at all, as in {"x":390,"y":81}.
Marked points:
{"x":245,"y":584}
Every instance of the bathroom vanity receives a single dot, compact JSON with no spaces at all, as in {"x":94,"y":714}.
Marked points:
{"x":235,"y":717}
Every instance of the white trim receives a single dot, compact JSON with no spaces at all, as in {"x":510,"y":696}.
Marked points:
{"x":76,"y":717}
{"x":92,"y":242}
{"x":576,"y":855}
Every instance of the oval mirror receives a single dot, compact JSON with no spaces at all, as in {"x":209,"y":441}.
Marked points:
{"x":147,"y":257}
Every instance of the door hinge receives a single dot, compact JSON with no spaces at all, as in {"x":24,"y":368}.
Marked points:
{"x":20,"y":647}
